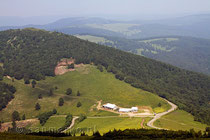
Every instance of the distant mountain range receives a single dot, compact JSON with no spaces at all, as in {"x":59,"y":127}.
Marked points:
{"x":195,"y":26}
{"x":185,"y":52}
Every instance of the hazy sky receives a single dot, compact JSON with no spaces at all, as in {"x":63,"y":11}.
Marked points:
{"x":27,"y":8}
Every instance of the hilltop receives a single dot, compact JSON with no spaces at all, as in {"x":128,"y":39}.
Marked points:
{"x":33,"y":54}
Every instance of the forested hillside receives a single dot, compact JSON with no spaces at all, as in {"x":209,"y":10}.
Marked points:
{"x":33,"y":54}
{"x":184,"y":52}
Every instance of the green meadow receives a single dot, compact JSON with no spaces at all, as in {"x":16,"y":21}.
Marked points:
{"x":168,"y":39}
{"x":93,"y":86}
{"x":179,"y":120}
{"x":118,"y":27}
{"x":52,"y":124}
{"x":94,"y":39}
{"x":103,"y":125}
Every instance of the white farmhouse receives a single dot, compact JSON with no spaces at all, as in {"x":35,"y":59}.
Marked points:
{"x":110,"y":106}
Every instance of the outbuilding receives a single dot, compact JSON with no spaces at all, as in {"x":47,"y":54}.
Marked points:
{"x":134,"y":109}
{"x":110,"y":106}
{"x":125,"y":110}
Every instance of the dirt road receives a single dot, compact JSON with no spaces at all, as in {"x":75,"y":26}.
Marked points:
{"x":72,"y":123}
{"x":159,"y":115}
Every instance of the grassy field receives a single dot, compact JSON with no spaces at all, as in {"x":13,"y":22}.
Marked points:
{"x":157,"y":39}
{"x":179,"y":120}
{"x":103,"y":125}
{"x":93,"y":86}
{"x":162,"y":48}
{"x":53,"y":123}
{"x":117,"y":27}
{"x":94,"y":39}
{"x":157,"y":47}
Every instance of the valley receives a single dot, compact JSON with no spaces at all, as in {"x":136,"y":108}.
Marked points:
{"x":184,"y":52}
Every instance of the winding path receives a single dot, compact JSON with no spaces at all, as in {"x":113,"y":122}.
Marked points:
{"x":159,"y":115}
{"x":72,"y":123}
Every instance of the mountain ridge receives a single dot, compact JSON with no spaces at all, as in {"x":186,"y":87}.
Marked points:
{"x":198,"y":27}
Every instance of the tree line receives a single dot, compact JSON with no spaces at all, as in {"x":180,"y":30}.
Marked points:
{"x":6,"y":94}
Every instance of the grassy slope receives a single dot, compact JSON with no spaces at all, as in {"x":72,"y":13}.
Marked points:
{"x":103,"y":124}
{"x":118,"y":27}
{"x":54,"y":123}
{"x":94,"y":39}
{"x":168,"y":39}
{"x":179,"y":120}
{"x":93,"y":86}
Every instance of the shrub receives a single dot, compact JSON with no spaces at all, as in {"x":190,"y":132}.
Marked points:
{"x":27,"y":81}
{"x":33,"y":83}
{"x":61,"y":102}
{"x":71,"y":66}
{"x":23,"y":117}
{"x":68,"y":91}
{"x":67,"y":123}
{"x":54,"y":111}
{"x":78,"y":93}
{"x":44,"y":117}
{"x":79,"y":104}
{"x":37,"y":106}
{"x":50,"y":92}
{"x":82,"y":117}
{"x":100,"y":67}
{"x":40,"y":96}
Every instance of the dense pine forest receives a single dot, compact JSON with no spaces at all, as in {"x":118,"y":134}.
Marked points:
{"x":33,"y":54}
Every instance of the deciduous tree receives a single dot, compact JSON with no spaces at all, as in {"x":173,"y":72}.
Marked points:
{"x":68,"y":91}
{"x":15,"y":116}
